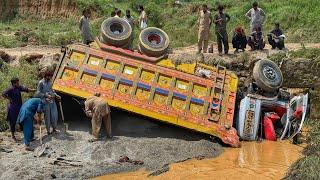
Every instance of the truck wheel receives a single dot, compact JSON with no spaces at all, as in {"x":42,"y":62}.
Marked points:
{"x":153,"y":42}
{"x":267,"y":75}
{"x":115,"y":31}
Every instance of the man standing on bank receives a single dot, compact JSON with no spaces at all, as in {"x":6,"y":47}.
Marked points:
{"x":204,"y":23}
{"x":221,"y":19}
{"x":130,"y":20}
{"x":84,"y":26}
{"x":143,"y":18}
{"x":98,"y":109}
{"x":256,"y":16}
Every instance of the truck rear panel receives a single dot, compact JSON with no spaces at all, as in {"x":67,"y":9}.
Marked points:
{"x":134,"y":82}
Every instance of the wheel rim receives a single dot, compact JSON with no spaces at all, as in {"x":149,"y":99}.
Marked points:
{"x":270,"y":73}
{"x":116,"y":28}
{"x":154,"y":39}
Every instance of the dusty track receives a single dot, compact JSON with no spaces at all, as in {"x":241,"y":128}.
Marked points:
{"x":20,"y":51}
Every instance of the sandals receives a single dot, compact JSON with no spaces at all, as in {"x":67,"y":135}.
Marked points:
{"x":54,"y":131}
{"x":14,"y":139}
{"x":93,"y":140}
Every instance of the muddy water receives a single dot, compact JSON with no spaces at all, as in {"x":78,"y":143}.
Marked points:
{"x":266,"y":160}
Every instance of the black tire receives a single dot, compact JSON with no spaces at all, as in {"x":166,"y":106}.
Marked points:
{"x":153,"y":42}
{"x":267,"y":75}
{"x":115,"y":24}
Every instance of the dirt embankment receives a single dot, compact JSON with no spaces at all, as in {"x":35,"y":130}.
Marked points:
{"x":43,"y":8}
{"x":297,"y":72}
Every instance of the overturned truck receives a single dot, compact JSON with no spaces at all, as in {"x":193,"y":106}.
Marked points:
{"x":193,"y":96}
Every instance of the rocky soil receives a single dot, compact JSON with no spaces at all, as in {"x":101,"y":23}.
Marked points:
{"x":148,"y":144}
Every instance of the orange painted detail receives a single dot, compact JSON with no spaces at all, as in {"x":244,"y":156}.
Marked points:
{"x":188,"y":100}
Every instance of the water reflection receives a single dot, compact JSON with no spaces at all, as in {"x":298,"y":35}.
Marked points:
{"x":266,"y":160}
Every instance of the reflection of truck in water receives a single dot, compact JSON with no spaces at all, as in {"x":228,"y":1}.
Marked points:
{"x":194,"y":96}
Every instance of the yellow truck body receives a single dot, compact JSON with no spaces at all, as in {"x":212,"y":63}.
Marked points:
{"x":152,"y":87}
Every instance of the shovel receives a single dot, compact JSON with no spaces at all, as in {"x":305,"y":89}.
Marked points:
{"x":40,"y":133}
{"x":65,"y":125}
{"x":41,"y":149}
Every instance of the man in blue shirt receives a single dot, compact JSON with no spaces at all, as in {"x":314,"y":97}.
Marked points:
{"x":13,"y":94}
{"x":31,"y":109}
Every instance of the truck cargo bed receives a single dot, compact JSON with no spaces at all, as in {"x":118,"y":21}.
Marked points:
{"x":139,"y":84}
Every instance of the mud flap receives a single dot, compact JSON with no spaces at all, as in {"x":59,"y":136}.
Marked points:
{"x":269,"y":132}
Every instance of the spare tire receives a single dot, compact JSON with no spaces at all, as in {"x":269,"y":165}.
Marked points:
{"x":153,"y":42}
{"x":267,"y":75}
{"x":115,"y":32}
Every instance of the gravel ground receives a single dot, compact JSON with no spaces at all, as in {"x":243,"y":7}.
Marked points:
{"x":136,"y":137}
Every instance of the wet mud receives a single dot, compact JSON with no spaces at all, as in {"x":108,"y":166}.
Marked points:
{"x":265,"y":160}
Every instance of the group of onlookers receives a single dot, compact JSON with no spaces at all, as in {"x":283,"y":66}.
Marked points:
{"x":84,"y":25}
{"x":239,"y":40}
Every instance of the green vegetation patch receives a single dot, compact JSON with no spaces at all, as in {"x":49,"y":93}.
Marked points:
{"x":308,"y":166}
{"x":299,"y":20}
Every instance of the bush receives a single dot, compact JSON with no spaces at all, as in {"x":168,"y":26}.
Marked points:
{"x":308,"y":166}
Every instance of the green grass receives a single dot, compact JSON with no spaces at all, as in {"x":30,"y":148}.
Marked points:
{"x":28,"y":76}
{"x":308,"y":166}
{"x":52,"y":32}
{"x":298,"y":18}
{"x":311,"y":53}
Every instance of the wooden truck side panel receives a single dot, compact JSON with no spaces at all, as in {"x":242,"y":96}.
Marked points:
{"x":202,"y":104}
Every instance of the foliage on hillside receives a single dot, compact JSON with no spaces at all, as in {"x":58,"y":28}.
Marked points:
{"x":308,"y":166}
{"x":298,"y":18}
